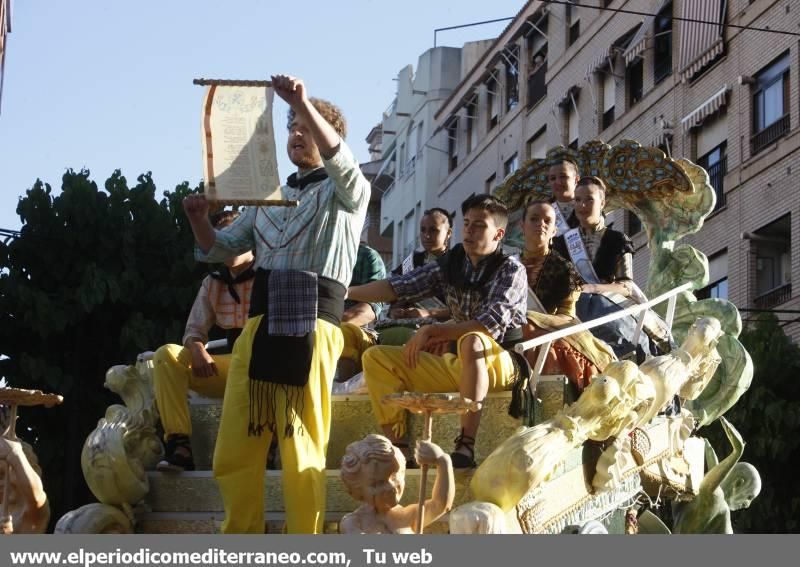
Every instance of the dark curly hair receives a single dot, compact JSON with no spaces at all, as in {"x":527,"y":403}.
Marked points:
{"x":329,"y":111}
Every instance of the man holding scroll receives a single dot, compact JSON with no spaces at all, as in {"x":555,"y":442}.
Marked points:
{"x":283,"y":363}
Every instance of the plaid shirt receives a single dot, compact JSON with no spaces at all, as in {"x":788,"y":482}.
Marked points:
{"x":320,"y":235}
{"x":369,"y":268}
{"x":214,"y":305}
{"x":499,"y":306}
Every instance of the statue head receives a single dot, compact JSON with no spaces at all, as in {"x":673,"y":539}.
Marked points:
{"x":701,"y":342}
{"x":373,"y":471}
{"x":741,"y":486}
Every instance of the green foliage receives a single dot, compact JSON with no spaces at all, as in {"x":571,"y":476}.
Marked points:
{"x":768,"y":417}
{"x":95,"y":278}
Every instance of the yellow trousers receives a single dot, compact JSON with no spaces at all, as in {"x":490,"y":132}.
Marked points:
{"x":386,"y":372}
{"x":239,"y":459}
{"x":172,"y":380}
{"x":356,"y":341}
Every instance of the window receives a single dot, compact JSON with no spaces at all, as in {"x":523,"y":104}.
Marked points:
{"x":609,"y":97}
{"x":510,"y":166}
{"x":662,"y":48}
{"x":412,"y":150}
{"x":715,"y":163}
{"x":452,"y":145}
{"x":401,"y":159}
{"x":492,"y":103}
{"x":572,"y":124}
{"x":573,"y":24}
{"x":490,"y":183}
{"x":536,"y":147}
{"x":771,"y":104}
{"x":772,"y":249}
{"x":472,"y":130}
{"x":634,"y":78}
{"x":633,"y":222}
{"x":715,"y":290}
{"x":537,"y":87}
{"x":511,"y":57}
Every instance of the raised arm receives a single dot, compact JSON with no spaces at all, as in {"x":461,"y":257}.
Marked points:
{"x":293,"y":91}
{"x":719,"y":472}
{"x":196,"y":209}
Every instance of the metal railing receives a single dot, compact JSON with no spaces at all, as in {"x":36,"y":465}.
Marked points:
{"x":546,"y":341}
{"x":774,"y":297}
{"x":765,"y":137}
{"x":715,"y":175}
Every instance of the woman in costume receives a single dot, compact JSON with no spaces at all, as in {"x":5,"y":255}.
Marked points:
{"x":604,"y":259}
{"x":435,"y":230}
{"x":554,"y":287}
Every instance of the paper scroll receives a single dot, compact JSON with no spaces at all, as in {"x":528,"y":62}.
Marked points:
{"x":239,"y":160}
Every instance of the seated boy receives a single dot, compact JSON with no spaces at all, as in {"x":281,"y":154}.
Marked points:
{"x":223,"y":300}
{"x":486,"y":293}
{"x":369,"y":268}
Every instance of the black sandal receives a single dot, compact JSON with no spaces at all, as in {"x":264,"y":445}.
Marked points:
{"x":173,"y":460}
{"x":460,"y":460}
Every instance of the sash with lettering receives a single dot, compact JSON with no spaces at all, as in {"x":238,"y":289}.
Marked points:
{"x":561,"y":222}
{"x":579,"y":256}
{"x":654,"y":325}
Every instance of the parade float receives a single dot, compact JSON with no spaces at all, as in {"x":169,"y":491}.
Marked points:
{"x":607,"y":461}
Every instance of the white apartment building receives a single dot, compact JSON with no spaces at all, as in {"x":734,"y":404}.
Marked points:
{"x":719,"y":94}
{"x":415,"y":156}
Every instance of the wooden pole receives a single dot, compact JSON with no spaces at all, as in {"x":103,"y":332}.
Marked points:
{"x":231,"y":83}
{"x":254,"y":202}
{"x":423,"y":483}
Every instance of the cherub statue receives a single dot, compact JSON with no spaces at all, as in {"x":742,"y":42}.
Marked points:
{"x":373,"y":472}
{"x":25,"y":509}
{"x":728,"y":485}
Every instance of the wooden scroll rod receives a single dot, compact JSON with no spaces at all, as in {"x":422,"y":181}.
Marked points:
{"x":254,"y":202}
{"x":231,"y":83}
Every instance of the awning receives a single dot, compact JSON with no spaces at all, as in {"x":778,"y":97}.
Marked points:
{"x":639,"y":42}
{"x":701,"y":42}
{"x":709,"y":107}
{"x":600,"y":60}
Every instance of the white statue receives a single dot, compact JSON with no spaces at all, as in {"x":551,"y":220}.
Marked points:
{"x":373,"y":472}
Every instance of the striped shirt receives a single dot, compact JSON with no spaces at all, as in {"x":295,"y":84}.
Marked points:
{"x":499,"y":306}
{"x":320,"y":235}
{"x":215,"y":306}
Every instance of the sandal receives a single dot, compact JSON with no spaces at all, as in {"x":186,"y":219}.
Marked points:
{"x":460,"y":460}
{"x":178,"y":455}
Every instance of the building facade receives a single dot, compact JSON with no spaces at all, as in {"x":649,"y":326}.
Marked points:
{"x":413,"y":153}
{"x":684,"y":75}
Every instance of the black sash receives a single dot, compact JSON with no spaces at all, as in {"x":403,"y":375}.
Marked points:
{"x":282,"y":362}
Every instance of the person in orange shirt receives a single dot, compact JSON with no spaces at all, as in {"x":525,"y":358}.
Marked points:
{"x":224,"y":301}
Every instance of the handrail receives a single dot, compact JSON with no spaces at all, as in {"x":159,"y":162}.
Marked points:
{"x":571,"y":330}
{"x":640,"y":309}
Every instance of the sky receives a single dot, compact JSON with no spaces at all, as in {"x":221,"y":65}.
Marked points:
{"x":107,"y":85}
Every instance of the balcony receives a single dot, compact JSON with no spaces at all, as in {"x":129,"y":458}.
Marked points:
{"x":769,"y":134}
{"x":774,"y":297}
{"x":715,"y":174}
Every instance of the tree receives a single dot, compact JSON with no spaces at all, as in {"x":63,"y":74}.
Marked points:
{"x":768,"y":417}
{"x":95,"y":278}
